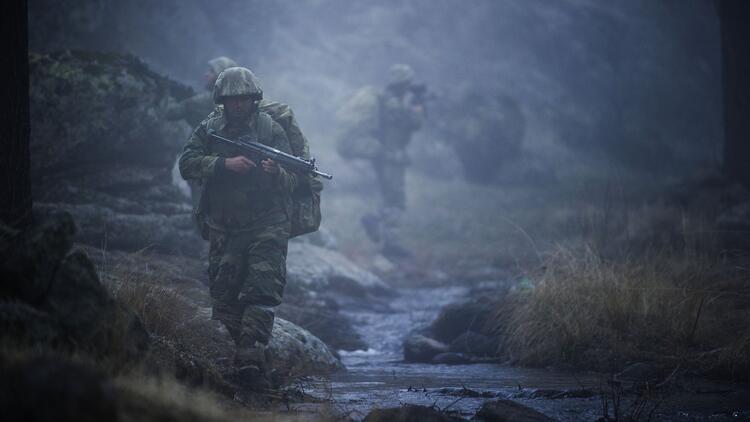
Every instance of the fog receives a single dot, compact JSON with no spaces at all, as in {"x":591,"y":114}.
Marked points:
{"x":632,"y":83}
{"x":565,"y":205}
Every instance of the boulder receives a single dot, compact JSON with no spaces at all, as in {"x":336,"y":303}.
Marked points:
{"x":103,"y":150}
{"x":53,"y":298}
{"x":183,"y":279}
{"x":475,"y":344}
{"x":315,"y":268}
{"x":324,"y":322}
{"x":409,"y":413}
{"x":94,"y":110}
{"x":104,"y":227}
{"x":419,"y":348}
{"x":458,"y":318}
{"x":502,"y":410}
{"x":297,"y":352}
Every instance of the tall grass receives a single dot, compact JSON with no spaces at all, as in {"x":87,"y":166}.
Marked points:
{"x":675,"y":307}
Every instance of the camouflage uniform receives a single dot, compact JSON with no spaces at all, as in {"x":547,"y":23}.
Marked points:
{"x":248,"y":217}
{"x":382,"y":139}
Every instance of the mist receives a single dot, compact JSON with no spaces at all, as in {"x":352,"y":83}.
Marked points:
{"x":569,"y":233}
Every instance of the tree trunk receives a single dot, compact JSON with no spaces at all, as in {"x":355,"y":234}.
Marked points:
{"x":15,"y":185}
{"x":735,"y":48}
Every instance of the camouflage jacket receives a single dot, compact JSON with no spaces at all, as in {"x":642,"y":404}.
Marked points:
{"x":232,"y":201}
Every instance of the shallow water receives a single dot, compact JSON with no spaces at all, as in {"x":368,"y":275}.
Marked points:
{"x":378,"y":377}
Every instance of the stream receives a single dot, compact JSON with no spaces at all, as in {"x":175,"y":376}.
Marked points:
{"x":378,"y":377}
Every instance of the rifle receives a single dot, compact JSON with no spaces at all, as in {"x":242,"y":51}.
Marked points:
{"x":295,"y":164}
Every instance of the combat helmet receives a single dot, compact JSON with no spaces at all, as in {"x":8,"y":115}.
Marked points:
{"x":236,"y":81}
{"x":219,"y":64}
{"x":400,"y":74}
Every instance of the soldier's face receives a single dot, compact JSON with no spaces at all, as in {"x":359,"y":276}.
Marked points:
{"x":239,"y":107}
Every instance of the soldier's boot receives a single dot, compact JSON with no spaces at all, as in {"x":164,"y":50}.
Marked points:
{"x":253,"y":370}
{"x":371,"y":223}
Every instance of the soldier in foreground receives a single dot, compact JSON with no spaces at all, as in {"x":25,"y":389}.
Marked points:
{"x":245,"y":207}
{"x":377,"y":126}
{"x":195,"y":109}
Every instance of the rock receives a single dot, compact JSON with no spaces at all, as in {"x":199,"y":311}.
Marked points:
{"x":195,"y":336}
{"x":329,"y":325}
{"x":409,"y":413}
{"x":61,"y":303}
{"x":502,"y":410}
{"x":456,"y":319}
{"x":476,"y":344}
{"x":418,"y":348}
{"x":315,"y":268}
{"x":95,"y":110}
{"x":133,"y":232}
{"x":297,"y":352}
{"x":450,"y":358}
{"x":112,"y":168}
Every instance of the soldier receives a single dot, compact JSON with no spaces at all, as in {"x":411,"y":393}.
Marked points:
{"x":245,"y":206}
{"x":378,"y":125}
{"x":195,"y":109}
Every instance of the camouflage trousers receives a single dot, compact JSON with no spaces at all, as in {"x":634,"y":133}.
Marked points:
{"x":247,"y":275}
{"x":382,"y":226}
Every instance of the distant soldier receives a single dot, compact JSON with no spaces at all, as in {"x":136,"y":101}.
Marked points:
{"x":194,"y":109}
{"x":377,"y":125}
{"x":245,"y":206}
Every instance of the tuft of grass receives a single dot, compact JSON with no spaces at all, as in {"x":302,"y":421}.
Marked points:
{"x":675,"y":307}
{"x":162,"y":310}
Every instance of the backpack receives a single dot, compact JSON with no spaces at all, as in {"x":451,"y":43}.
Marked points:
{"x":305,"y":212}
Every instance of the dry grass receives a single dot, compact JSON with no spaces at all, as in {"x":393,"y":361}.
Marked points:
{"x":677,"y":308}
